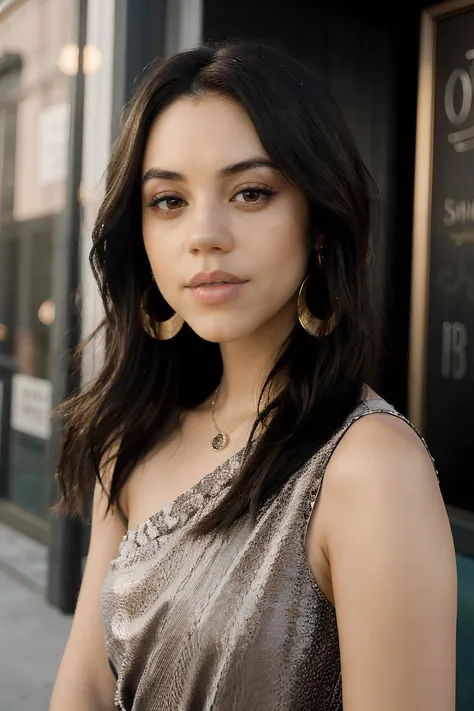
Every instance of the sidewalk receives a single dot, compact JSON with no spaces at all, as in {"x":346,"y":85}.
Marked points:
{"x":32,"y":634}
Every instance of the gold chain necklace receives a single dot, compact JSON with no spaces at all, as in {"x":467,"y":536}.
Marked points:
{"x":222,"y":439}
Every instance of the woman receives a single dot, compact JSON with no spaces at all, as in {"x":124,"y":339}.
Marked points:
{"x":233,"y":255}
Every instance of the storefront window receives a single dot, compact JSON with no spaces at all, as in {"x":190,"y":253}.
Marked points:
{"x":34,"y":123}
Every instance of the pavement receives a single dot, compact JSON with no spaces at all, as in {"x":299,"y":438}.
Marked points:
{"x":32,"y":633}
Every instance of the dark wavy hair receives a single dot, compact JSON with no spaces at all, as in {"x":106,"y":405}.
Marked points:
{"x":145,"y":384}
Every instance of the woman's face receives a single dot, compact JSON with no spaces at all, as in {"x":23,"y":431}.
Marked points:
{"x":225,"y":233}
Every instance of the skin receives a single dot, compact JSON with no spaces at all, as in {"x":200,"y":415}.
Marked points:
{"x":378,"y":543}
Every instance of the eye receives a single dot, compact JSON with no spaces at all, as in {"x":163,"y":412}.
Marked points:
{"x":254,"y":195}
{"x":166,"y":203}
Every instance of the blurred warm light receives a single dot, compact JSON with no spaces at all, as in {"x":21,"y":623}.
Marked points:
{"x":46,"y":312}
{"x":3,"y":332}
{"x":88,"y":195}
{"x":68,"y":61}
{"x":92,"y":59}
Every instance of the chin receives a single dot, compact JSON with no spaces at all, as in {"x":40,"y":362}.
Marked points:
{"x":224,"y":330}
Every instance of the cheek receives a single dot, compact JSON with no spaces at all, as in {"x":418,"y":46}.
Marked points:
{"x":284,"y":250}
{"x":157,"y":247}
{"x":149,"y":242}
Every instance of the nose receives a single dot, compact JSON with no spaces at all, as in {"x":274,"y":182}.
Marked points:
{"x":208,"y":231}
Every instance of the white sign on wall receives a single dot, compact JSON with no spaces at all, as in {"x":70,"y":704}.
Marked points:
{"x":53,"y":157}
{"x":31,"y":406}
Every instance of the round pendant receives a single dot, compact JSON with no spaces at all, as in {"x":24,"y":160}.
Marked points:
{"x":220,"y":441}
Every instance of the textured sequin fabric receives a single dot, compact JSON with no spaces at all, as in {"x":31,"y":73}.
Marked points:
{"x":228,"y":622}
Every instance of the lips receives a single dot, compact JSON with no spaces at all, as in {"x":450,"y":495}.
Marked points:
{"x":216,"y":288}
{"x":216,"y":277}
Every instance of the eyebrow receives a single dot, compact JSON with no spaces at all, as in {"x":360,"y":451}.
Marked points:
{"x":228,"y":171}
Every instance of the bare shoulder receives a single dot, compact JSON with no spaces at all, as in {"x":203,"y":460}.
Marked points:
{"x":379,"y":471}
{"x":385,"y":533}
{"x":382,"y":451}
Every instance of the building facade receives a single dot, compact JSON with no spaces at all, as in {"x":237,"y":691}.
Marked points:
{"x":369,"y":57}
{"x":36,"y":58}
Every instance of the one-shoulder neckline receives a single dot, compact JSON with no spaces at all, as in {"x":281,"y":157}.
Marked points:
{"x":197,"y":488}
{"x":192,"y":490}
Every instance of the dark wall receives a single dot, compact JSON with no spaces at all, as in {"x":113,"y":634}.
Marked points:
{"x":368,"y":58}
{"x":140,"y":31}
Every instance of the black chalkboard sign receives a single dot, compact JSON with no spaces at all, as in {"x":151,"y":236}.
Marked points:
{"x":442,"y":329}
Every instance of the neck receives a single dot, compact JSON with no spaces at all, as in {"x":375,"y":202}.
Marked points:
{"x":246,"y":365}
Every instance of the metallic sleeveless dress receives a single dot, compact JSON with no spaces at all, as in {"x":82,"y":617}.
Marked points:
{"x":228,"y":622}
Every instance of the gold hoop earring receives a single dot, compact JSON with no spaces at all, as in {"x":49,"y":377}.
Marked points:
{"x":311,"y":323}
{"x":159,"y":330}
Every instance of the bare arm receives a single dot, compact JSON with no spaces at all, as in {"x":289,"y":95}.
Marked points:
{"x":392,"y":565}
{"x":85,"y":681}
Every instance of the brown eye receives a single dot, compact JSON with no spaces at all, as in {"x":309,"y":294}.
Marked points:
{"x":169,"y":204}
{"x":172,"y":203}
{"x":254,"y":196}
{"x":166,"y":203}
{"x":251,"y":195}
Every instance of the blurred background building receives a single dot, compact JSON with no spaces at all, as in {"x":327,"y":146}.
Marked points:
{"x":403,"y":78}
{"x":34,"y":128}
